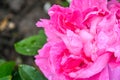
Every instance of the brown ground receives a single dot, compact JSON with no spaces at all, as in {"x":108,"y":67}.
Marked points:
{"x":17,"y":21}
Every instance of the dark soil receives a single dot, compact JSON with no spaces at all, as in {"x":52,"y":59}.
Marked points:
{"x":17,"y":21}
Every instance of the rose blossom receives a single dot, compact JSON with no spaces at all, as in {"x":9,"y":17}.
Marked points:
{"x":83,"y":41}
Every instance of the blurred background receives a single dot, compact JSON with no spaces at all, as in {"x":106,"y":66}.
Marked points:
{"x":17,"y":21}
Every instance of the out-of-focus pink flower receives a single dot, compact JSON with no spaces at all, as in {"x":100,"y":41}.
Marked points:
{"x":83,"y":41}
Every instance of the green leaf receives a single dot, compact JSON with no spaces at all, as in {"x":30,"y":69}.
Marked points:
{"x":16,"y":76}
{"x":6,"y":78}
{"x":2,"y":61}
{"x":65,"y":3}
{"x":6,"y":68}
{"x":30,"y":73}
{"x":30,"y":46}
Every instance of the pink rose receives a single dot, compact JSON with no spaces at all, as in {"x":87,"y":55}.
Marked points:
{"x":57,"y":63}
{"x":83,"y":41}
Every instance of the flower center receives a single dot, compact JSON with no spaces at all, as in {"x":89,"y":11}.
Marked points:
{"x":118,"y":14}
{"x":72,"y":62}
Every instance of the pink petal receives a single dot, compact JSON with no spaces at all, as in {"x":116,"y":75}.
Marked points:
{"x":85,"y":36}
{"x":95,"y":68}
{"x":90,"y":50}
{"x":83,"y":5}
{"x":114,"y":73}
{"x":47,"y":61}
{"x":73,"y":42}
{"x":42,"y":60}
{"x":102,"y":38}
{"x":48,"y":30}
{"x":104,"y":75}
{"x":113,"y":5}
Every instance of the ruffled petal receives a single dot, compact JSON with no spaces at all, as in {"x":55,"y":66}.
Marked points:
{"x":86,"y":4}
{"x":95,"y":68}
